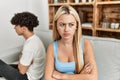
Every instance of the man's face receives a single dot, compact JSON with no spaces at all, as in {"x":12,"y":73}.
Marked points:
{"x":18,"y":29}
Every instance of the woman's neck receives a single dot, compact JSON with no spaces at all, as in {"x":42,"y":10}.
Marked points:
{"x":66,"y":43}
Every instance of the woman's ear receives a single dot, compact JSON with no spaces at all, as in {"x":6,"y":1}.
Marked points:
{"x":75,"y":28}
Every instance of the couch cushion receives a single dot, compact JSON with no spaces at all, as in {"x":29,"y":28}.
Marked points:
{"x":10,"y":55}
{"x":107,"y":53}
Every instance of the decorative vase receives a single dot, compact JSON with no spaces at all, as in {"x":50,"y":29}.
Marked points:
{"x":89,"y":1}
{"x":83,"y":1}
{"x":55,"y":1}
{"x":76,"y":1}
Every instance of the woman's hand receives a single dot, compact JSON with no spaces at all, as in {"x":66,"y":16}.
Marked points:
{"x":87,"y":68}
{"x":57,"y":75}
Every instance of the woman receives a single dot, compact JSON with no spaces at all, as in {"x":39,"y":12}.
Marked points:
{"x":69,"y":57}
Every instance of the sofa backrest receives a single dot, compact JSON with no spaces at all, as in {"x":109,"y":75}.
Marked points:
{"x":107,"y":54}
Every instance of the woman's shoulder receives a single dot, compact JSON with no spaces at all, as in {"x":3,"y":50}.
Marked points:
{"x":87,"y":45}
{"x":50,"y":45}
{"x":87,"y":42}
{"x":50,"y":49}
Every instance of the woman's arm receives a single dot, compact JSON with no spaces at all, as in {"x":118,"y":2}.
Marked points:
{"x":49,"y":67}
{"x":87,"y":69}
{"x":86,"y":74}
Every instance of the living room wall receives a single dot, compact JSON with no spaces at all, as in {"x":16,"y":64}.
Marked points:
{"x":8,"y":36}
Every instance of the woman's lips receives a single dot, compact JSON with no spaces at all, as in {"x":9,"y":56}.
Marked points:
{"x":66,"y":34}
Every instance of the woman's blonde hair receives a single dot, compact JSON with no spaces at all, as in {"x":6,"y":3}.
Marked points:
{"x":66,"y":9}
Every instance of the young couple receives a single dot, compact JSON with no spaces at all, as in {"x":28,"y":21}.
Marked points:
{"x":68,"y":57}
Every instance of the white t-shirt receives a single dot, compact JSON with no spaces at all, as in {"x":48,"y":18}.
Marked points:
{"x":33,"y":50}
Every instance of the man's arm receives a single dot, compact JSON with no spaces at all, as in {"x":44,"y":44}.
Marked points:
{"x":22,"y":69}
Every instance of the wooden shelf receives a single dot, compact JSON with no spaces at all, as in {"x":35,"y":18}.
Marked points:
{"x":108,"y":2}
{"x":78,"y":4}
{"x":57,"y":4}
{"x":87,"y":28}
{"x":94,"y":12}
{"x":73,"y":4}
{"x":108,"y":29}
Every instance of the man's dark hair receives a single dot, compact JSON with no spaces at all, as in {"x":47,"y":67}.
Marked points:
{"x":25,"y":19}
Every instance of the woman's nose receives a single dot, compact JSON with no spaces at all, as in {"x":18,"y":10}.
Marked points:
{"x":66,"y":28}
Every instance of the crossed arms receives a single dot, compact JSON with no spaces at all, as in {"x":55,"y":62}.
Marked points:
{"x":89,"y":71}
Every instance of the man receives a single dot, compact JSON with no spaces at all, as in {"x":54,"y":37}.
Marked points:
{"x":32,"y":60}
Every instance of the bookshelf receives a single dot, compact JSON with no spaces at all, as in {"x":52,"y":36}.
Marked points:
{"x":98,"y":17}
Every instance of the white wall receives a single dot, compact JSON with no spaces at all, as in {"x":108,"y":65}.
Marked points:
{"x":8,"y":8}
{"x":8,"y":36}
{"x":40,"y":8}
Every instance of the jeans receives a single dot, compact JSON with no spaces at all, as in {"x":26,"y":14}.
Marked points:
{"x":10,"y":72}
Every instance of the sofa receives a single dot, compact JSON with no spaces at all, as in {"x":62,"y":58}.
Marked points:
{"x":106,"y":50}
{"x":107,"y":54}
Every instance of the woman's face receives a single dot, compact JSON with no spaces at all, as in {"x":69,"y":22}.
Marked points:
{"x":66,"y":26}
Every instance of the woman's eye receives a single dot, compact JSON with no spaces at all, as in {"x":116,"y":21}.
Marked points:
{"x":70,"y":24}
{"x":61,"y":24}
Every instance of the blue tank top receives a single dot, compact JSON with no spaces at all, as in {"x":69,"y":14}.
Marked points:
{"x":65,"y":67}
